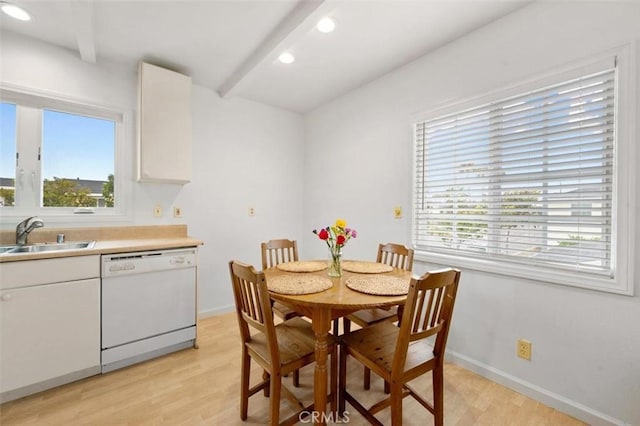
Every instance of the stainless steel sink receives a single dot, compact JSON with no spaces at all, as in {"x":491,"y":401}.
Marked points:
{"x":42,"y":247}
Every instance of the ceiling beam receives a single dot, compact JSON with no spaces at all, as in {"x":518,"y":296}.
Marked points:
{"x":303,"y":17}
{"x":82,"y":13}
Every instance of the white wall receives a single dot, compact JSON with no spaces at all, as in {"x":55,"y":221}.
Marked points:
{"x":244,"y":154}
{"x":247,"y":154}
{"x":586,"y":344}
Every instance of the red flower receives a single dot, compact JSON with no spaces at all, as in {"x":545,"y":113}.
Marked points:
{"x":323,"y":234}
{"x":340,"y":240}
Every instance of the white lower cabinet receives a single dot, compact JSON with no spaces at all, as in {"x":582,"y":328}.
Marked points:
{"x":49,"y":332}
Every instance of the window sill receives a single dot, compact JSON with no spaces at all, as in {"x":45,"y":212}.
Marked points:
{"x":569,"y":278}
{"x":64,"y":218}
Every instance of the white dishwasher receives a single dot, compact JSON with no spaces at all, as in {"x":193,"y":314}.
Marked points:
{"x":148,"y":305}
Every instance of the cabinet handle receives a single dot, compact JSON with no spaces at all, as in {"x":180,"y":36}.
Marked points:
{"x":6,"y":297}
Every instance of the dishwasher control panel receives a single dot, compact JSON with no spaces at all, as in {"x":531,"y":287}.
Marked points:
{"x":117,"y":267}
{"x":147,"y":261}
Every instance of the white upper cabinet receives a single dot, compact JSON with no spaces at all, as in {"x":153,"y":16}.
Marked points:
{"x":164,"y":125}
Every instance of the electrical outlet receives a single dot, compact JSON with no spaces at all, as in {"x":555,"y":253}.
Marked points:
{"x":177,"y":211}
{"x":397,"y":212}
{"x":252,"y":211}
{"x":524,"y":349}
{"x":157,"y":210}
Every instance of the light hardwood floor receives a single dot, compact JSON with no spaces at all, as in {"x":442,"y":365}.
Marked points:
{"x":200,"y":387}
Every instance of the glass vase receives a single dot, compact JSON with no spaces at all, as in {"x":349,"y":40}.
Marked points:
{"x":335,"y":262}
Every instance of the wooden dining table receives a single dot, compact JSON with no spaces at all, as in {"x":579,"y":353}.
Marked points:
{"x":323,"y":307}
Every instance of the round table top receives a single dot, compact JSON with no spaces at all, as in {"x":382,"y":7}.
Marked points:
{"x":339,"y":295}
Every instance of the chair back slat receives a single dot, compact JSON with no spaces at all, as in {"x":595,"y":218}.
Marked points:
{"x":251,"y":309}
{"x":279,"y":251}
{"x":434,"y":308}
{"x":253,"y":305}
{"x":419,"y":309}
{"x":427,"y":312}
{"x":395,"y":255}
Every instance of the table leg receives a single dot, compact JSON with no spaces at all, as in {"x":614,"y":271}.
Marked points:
{"x":321,"y":323}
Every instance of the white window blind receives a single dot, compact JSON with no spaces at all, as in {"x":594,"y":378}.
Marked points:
{"x":528,"y":179}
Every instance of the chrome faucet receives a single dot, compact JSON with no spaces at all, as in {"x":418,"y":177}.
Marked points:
{"x":26,"y":226}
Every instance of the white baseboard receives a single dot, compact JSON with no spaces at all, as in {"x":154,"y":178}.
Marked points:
{"x":217,"y":311}
{"x":551,"y":399}
{"x":48,"y":384}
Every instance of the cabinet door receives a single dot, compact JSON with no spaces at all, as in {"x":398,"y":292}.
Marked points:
{"x":164,"y":125}
{"x":48,"y":331}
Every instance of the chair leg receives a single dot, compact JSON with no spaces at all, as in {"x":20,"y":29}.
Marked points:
{"x":334,"y":381}
{"x":274,"y":399}
{"x":336,"y":327}
{"x":296,"y":378}
{"x":346,"y":325}
{"x":244,"y":385}
{"x":396,"y":404}
{"x":400,"y":314}
{"x":367,"y":381}
{"x":367,"y":378}
{"x":265,"y":376}
{"x":342,"y":382}
{"x":438,"y":394}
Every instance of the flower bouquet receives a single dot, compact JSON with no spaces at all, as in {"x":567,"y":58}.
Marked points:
{"x":336,"y":237}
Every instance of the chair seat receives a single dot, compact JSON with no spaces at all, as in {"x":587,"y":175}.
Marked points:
{"x":283,"y":311}
{"x":378,"y":343}
{"x":296,"y":341}
{"x":367,"y":317}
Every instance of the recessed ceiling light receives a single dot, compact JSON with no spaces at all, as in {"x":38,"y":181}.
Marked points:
{"x":326,"y":25}
{"x":286,"y":58}
{"x":15,"y":11}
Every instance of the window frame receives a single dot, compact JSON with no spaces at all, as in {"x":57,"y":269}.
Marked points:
{"x":622,"y":253}
{"x":41,"y":100}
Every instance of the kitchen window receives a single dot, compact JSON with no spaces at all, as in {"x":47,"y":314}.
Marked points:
{"x":58,"y":157}
{"x":532,"y":181}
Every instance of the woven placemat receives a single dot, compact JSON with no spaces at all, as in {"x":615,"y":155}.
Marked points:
{"x":365,"y":267}
{"x":303,"y":266}
{"x":298,"y":284}
{"x":379,"y":285}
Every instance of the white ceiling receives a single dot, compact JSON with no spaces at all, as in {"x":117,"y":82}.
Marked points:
{"x":232,"y":46}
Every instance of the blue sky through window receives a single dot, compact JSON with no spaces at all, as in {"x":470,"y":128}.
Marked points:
{"x":7,"y":140}
{"x":73,"y":146}
{"x":76,"y":146}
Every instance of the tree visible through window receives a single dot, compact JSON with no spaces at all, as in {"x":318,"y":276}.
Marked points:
{"x":66,"y":193}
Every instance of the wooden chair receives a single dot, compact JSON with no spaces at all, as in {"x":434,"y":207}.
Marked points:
{"x":275,"y":252}
{"x":278,"y":349}
{"x":398,"y":256}
{"x":400,"y":354}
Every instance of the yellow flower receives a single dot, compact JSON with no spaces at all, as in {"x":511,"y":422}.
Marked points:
{"x":341,"y":223}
